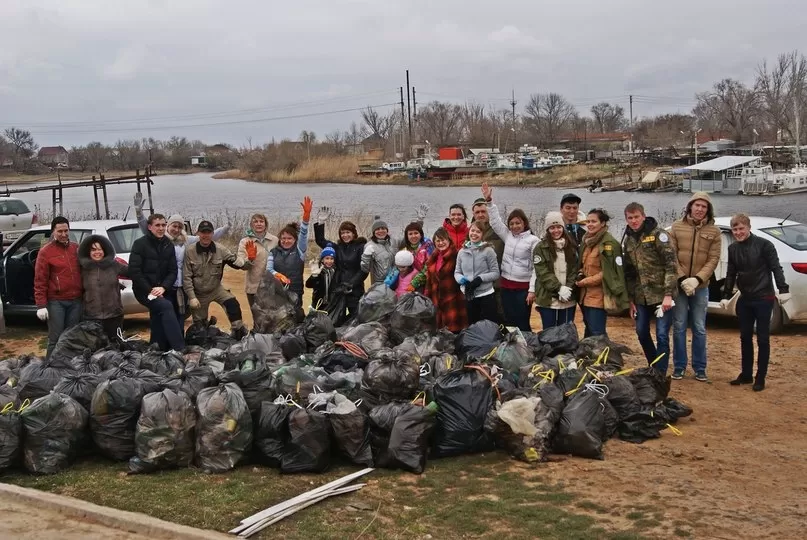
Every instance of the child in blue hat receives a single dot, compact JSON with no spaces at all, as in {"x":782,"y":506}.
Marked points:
{"x":322,"y":278}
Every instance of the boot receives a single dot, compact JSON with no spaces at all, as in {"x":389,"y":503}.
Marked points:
{"x":741,"y":380}
{"x":237,"y":330}
{"x":759,"y":385}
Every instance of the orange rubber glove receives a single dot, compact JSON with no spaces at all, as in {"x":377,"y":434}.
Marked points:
{"x":251,"y":249}
{"x":410,"y":288}
{"x":282,"y":279}
{"x":307,"y":205}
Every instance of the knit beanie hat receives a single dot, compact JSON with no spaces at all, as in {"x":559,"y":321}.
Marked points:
{"x":327,"y":252}
{"x":404,"y":258}
{"x":176,"y":217}
{"x":553,"y":218}
{"x":379,"y":224}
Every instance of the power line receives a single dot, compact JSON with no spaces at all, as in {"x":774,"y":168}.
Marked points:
{"x":238,"y":112}
{"x":231,"y":122}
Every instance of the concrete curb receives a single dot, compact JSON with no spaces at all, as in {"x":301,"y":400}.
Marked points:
{"x":116,"y":519}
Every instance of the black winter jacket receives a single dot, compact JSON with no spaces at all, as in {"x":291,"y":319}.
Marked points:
{"x":348,"y":260}
{"x":152,"y":263}
{"x":751,"y":264}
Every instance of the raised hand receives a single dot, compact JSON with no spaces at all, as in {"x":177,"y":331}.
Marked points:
{"x":487,"y":191}
{"x":421,"y":211}
{"x":323,"y":214}
{"x":307,"y":205}
{"x":138,"y":202}
{"x":251,"y":249}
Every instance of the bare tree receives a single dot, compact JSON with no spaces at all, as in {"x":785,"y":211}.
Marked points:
{"x":441,"y":123}
{"x":731,"y":105}
{"x":379,"y":124}
{"x":79,"y":157}
{"x":546,"y":115}
{"x":354,"y":134}
{"x":608,"y":117}
{"x":336,"y":140}
{"x":22,"y":141}
{"x":97,"y":155}
{"x":782,"y":91}
{"x":661,"y":131}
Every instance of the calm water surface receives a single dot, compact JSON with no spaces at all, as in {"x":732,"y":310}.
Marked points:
{"x":198,"y":196}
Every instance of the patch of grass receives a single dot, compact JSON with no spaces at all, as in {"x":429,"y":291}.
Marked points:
{"x":635,"y":515}
{"x":467,"y":496}
{"x":682,"y":533}
{"x":594,"y":507}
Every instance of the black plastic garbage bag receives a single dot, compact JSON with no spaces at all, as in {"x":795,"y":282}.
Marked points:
{"x":582,"y":426}
{"x":337,"y":308}
{"x":370,"y":336}
{"x":162,"y":363}
{"x":253,"y":376}
{"x":478,"y":340}
{"x":389,"y":377}
{"x":552,"y":398}
{"x":523,"y":426}
{"x":80,"y":387}
{"x":594,"y":346}
{"x":539,"y":350}
{"x":671,"y":410}
{"x":377,"y":304}
{"x":350,"y":429}
{"x":109,"y":359}
{"x":514,"y":352}
{"x":651,"y":385}
{"x":571,"y":379}
{"x":308,"y":448}
{"x":85,"y":336}
{"x":348,"y":383}
{"x":298,"y":382}
{"x":610,"y":417}
{"x":275,"y":308}
{"x":428,"y":344}
{"x":272,"y":431}
{"x":10,"y":437}
{"x":400,"y":435}
{"x":192,"y":354}
{"x":560,"y":339}
{"x":443,"y":363}
{"x":207,"y":334}
{"x":223,"y":428}
{"x":268,"y":344}
{"x":640,"y":426}
{"x":318,"y":328}
{"x":164,"y":434}
{"x":622,"y":396}
{"x":293,"y":344}
{"x":7,"y":372}
{"x":463,"y":400}
{"x":336,"y":357}
{"x":191,"y":380}
{"x":54,"y":433}
{"x":9,"y":394}
{"x":87,"y":363}
{"x":414,"y":313}
{"x":133,"y":344}
{"x":37,"y":379}
{"x":114,"y":411}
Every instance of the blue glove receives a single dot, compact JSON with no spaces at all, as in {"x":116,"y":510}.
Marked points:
{"x":389,"y":280}
{"x":463,"y":280}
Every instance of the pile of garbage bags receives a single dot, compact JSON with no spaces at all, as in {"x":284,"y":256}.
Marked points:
{"x":388,"y":389}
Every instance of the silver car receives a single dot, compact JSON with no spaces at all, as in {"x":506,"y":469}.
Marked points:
{"x":19,"y":260}
{"x":15,"y":219}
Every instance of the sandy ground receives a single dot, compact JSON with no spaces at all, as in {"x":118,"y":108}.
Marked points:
{"x":739,"y":469}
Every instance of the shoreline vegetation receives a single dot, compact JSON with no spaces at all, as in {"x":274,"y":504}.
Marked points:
{"x":342,"y":170}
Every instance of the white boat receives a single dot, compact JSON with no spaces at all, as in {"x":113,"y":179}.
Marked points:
{"x":793,"y":181}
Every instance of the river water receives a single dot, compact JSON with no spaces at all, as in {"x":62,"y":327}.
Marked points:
{"x":198,"y":196}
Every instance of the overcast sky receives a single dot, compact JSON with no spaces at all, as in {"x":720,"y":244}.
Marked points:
{"x":82,"y":70}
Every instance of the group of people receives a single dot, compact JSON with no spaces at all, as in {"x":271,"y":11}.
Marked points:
{"x":487,"y":268}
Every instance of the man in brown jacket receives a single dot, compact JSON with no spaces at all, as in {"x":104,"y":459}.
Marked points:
{"x":697,"y":243}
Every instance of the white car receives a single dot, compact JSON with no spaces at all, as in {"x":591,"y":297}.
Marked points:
{"x":18,"y":262}
{"x":790,"y":240}
{"x":15,"y":219}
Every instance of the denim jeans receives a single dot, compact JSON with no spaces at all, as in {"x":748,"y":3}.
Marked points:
{"x":555,"y":317}
{"x":751,"y":311}
{"x":165,"y":329}
{"x":62,"y":314}
{"x":516,"y":309}
{"x":662,"y":344}
{"x":595,"y":320}
{"x":690,"y":311}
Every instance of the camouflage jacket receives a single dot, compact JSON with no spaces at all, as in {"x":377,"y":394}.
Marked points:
{"x":650,"y":264}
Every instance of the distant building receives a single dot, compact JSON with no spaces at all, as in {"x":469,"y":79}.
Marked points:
{"x":199,"y":161}
{"x":593,"y":141}
{"x":53,"y":155}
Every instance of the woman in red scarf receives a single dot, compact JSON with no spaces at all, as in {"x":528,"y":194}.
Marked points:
{"x":456,"y":225}
{"x":441,"y":287}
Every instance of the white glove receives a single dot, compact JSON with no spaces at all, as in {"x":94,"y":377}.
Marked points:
{"x":194,"y":303}
{"x":565,"y":293}
{"x":42,"y":313}
{"x":421,"y":211}
{"x":724,"y":303}
{"x":138,"y":202}
{"x":660,"y":310}
{"x":151,"y":297}
{"x":323,"y":214}
{"x":784,"y":298}
{"x":689,"y":285}
{"x":315,"y":268}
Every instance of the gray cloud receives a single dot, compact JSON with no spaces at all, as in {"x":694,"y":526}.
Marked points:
{"x":69,"y":71}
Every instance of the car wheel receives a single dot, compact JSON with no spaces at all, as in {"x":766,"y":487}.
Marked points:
{"x":777,"y":319}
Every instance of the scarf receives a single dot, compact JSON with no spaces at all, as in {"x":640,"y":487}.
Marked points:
{"x":470,"y":245}
{"x":253,"y":234}
{"x":178,"y":240}
{"x":593,"y":239}
{"x":560,"y":243}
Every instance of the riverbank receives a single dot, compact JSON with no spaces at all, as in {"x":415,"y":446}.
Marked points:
{"x":327,"y":172}
{"x":12,"y":177}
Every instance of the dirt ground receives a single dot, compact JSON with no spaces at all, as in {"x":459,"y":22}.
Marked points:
{"x":738,"y":470}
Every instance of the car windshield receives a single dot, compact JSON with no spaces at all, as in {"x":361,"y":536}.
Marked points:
{"x":794,"y":236}
{"x":11,"y":207}
{"x":123,"y":237}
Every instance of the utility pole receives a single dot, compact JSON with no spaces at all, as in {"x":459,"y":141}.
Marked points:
{"x":414,"y":106}
{"x":513,"y":103}
{"x":409,"y":107}
{"x":630,"y":143}
{"x":402,"y":123}
{"x":797,"y":126}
